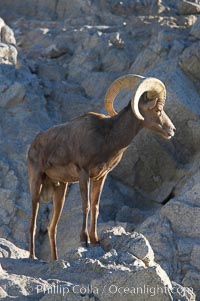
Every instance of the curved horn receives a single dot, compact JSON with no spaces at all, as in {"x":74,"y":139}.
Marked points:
{"x":154,"y":88}
{"x":121,"y":83}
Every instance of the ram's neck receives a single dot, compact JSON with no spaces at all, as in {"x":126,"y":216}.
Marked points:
{"x":125,"y":127}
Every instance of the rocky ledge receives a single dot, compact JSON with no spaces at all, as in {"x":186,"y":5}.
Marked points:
{"x":121,"y":268}
{"x":51,"y":54}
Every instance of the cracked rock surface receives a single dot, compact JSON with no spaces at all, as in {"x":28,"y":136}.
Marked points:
{"x":57,"y":59}
{"x":89,"y":274}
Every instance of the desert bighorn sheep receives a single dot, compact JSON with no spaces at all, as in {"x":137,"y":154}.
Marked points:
{"x":88,"y":148}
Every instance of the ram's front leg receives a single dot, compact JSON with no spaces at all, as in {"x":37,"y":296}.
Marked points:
{"x":97,"y":187}
{"x":84,"y":182}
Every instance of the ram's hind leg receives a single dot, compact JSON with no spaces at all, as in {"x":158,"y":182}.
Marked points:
{"x":35,"y":182}
{"x":58,"y":203}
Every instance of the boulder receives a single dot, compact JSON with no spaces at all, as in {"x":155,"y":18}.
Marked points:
{"x":189,"y":60}
{"x":173,"y":233}
{"x":135,"y":244}
{"x":7,"y":35}
{"x":192,"y":281}
{"x":8,"y":54}
{"x":9,"y":250}
{"x":194,"y":257}
{"x":188,"y":7}
{"x":113,"y":275}
{"x":13,"y":95}
{"x":195,"y":32}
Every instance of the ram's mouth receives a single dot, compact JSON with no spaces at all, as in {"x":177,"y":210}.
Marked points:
{"x":168,"y":135}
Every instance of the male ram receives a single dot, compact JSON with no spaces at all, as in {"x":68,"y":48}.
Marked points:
{"x":87,"y":149}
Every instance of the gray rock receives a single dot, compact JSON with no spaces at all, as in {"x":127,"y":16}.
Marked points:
{"x":9,"y":250}
{"x":2,"y":23}
{"x":187,"y":226}
{"x":195,"y":32}
{"x":7,"y":35}
{"x":185,"y":293}
{"x":194,"y":256}
{"x":189,"y":60}
{"x":108,"y":276}
{"x":3,"y":294}
{"x":188,"y":7}
{"x":121,"y":285}
{"x":69,"y":53}
{"x":173,"y":233}
{"x":192,"y":281}
{"x":8,"y":54}
{"x":121,"y":241}
{"x":52,"y":72}
{"x":94,"y":91}
{"x":130,"y":215}
{"x":115,"y":61}
{"x":13,"y":95}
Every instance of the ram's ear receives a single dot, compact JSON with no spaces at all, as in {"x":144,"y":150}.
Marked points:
{"x":151,"y":104}
{"x":146,"y":103}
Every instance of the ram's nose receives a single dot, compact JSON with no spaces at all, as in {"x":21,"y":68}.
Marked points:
{"x":171,"y":131}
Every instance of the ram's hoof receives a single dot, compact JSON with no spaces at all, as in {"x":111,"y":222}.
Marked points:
{"x":94,"y":242}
